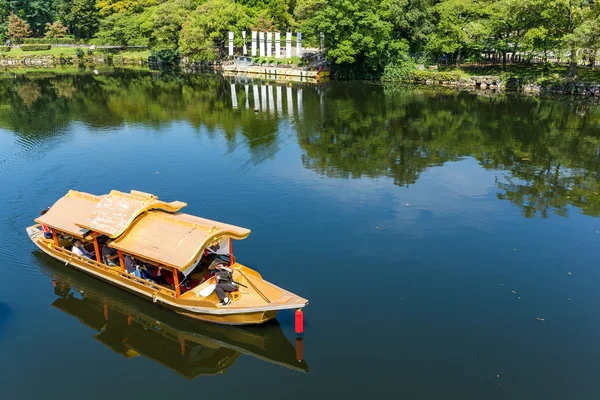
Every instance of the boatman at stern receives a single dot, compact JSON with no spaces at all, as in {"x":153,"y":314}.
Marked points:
{"x":225,"y":283}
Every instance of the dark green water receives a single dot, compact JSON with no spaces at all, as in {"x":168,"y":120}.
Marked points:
{"x":447,"y":242}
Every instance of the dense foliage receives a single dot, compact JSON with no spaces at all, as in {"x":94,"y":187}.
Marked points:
{"x":373,"y":34}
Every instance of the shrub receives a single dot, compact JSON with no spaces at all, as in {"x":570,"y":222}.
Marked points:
{"x":400,"y":71}
{"x":4,"y":49}
{"x":435,"y":76}
{"x":55,"y":30}
{"x":35,"y":47}
{"x":166,"y":57}
{"x":63,"y":40}
{"x":79,"y":53}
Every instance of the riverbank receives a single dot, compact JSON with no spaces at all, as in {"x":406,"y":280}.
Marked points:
{"x":527,"y":79}
{"x":57,"y":56}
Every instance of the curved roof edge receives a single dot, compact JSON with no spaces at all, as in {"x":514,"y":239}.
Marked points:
{"x":173,"y":240}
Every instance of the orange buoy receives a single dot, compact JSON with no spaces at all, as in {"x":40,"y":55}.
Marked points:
{"x":299,"y":321}
{"x":299,"y":349}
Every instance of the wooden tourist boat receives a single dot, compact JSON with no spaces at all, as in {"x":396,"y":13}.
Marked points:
{"x":178,"y":246}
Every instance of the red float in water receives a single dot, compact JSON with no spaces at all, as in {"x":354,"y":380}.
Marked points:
{"x":299,"y":321}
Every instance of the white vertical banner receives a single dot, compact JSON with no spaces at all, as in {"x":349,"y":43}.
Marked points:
{"x":253,"y":45}
{"x":299,"y":44}
{"x":271,"y":101}
{"x":263,"y":97}
{"x":277,"y":45}
{"x":233,"y":96}
{"x":255,"y":93}
{"x":247,"y":99}
{"x":288,"y":45}
{"x":290,"y":101}
{"x":299,"y":93}
{"x":269,"y":44}
{"x":279,"y":100}
{"x":230,"y":43}
{"x":261,"y":43}
{"x":245,"y":49}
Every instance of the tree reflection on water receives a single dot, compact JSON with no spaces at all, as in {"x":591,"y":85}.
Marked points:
{"x":549,"y":147}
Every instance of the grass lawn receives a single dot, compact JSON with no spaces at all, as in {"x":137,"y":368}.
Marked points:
{"x":135,"y":53}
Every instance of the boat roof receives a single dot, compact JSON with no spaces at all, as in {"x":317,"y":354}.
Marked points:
{"x":64,"y":214}
{"x":140,"y":225}
{"x":174,"y":240}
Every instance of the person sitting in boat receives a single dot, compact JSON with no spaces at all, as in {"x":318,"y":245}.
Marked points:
{"x":131,"y":266}
{"x":80,"y":250}
{"x":225,"y":283}
{"x":110,"y":256}
{"x":139,"y":269}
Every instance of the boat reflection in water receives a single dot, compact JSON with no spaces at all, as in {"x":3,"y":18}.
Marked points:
{"x":132,"y":328}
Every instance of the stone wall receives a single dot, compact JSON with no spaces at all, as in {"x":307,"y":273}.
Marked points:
{"x":572,"y":88}
{"x":518,"y":85}
{"x":486,"y":82}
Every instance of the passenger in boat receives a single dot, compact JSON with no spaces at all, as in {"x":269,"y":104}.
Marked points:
{"x":80,"y":250}
{"x":139,"y":269}
{"x":132,"y":267}
{"x":110,"y":256}
{"x":152,"y":273}
{"x":225,"y":283}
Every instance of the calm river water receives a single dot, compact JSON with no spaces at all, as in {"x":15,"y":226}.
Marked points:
{"x":447,"y":242}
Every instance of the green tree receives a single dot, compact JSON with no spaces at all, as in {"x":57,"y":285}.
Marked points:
{"x":460,"y":28}
{"x":37,"y":13}
{"x":565,"y":17}
{"x":541,"y":36}
{"x":280,"y":15}
{"x":204,"y":33}
{"x":507,"y":22}
{"x":126,"y":29}
{"x":81,"y":17}
{"x":355,"y":32}
{"x":108,"y":7}
{"x":413,"y":20}
{"x":167,"y":20}
{"x":4,"y":13}
{"x":587,"y":34}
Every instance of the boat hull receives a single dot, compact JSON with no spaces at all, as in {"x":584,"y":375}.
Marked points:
{"x":184,"y":307}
